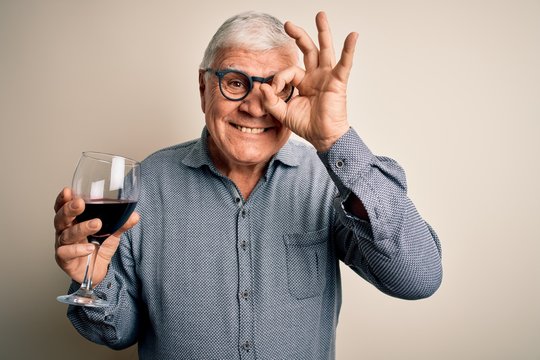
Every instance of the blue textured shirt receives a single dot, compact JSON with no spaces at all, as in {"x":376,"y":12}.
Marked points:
{"x":209,"y":275}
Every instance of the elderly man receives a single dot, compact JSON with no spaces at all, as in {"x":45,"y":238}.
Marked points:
{"x":239,"y":235}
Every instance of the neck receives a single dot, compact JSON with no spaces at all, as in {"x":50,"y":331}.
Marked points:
{"x":244,"y":176}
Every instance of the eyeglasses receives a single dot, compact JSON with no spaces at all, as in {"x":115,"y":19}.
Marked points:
{"x":236,"y":85}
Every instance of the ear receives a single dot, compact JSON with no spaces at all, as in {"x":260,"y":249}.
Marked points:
{"x":202,"y":88}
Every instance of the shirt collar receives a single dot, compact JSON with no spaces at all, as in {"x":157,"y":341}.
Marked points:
{"x":200,"y":156}
{"x":287,"y":155}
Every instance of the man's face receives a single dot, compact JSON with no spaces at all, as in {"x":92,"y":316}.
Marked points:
{"x":241,"y":132}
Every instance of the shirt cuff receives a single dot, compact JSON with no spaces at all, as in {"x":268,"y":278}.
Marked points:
{"x":347,"y":160}
{"x":97,"y":323}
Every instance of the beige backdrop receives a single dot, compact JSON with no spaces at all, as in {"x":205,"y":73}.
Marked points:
{"x":450,"y":89}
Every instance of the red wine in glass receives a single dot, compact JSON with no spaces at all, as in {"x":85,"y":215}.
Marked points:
{"x":110,"y":186}
{"x":112,"y":213}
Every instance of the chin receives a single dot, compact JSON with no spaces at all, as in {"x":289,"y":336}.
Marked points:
{"x":252,"y":158}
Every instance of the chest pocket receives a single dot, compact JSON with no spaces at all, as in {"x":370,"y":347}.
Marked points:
{"x":307,"y":257}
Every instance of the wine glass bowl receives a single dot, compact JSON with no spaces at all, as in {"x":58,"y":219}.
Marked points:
{"x":110,"y":186}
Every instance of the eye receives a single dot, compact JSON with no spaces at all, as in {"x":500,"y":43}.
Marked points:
{"x":236,"y":83}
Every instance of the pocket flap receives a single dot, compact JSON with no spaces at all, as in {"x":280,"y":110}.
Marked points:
{"x":307,"y":238}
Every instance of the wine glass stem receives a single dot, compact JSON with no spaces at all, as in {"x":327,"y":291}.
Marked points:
{"x":89,"y":273}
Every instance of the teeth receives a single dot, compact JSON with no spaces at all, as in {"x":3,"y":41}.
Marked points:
{"x":249,"y":130}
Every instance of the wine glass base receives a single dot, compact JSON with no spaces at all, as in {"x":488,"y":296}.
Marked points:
{"x":88,"y":301}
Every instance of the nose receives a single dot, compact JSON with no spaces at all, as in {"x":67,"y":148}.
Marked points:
{"x":253,"y":103}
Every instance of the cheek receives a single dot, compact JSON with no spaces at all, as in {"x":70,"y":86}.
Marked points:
{"x":209,"y":99}
{"x":217,"y":106}
{"x":213,"y":110}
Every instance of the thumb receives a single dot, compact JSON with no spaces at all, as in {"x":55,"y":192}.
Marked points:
{"x":273,"y":104}
{"x":110,"y":245}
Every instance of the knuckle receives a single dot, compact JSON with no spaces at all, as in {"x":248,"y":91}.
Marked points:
{"x":69,"y":208}
{"x":58,"y":260}
{"x":70,"y":235}
{"x":63,"y":238}
{"x":81,"y":231}
{"x":72,"y":208}
{"x":60,"y":257}
{"x":59,"y":201}
{"x":59,"y":223}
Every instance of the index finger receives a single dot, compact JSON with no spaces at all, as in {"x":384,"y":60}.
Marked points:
{"x":63,"y":197}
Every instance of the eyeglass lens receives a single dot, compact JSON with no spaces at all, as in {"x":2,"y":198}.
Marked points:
{"x":236,"y":85}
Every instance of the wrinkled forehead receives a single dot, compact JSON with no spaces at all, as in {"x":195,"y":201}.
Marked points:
{"x":243,"y":58}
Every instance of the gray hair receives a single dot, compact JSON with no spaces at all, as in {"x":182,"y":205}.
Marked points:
{"x":251,"y":30}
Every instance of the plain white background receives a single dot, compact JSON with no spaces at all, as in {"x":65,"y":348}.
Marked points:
{"x":450,"y":89}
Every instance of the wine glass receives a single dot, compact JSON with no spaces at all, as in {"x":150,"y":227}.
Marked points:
{"x":110,"y":186}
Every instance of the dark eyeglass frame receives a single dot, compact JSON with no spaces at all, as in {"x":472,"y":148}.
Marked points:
{"x":221,"y":73}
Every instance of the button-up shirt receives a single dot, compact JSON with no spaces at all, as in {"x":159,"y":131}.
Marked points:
{"x":207,"y":274}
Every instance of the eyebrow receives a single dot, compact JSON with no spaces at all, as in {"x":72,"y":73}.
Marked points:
{"x":243,"y":71}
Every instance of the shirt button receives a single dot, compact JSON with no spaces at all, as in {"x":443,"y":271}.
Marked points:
{"x":244,"y":213}
{"x":244,"y":294}
{"x":109,"y":285}
{"x":339,"y":164}
{"x":243,"y":244}
{"x":246,"y":346}
{"x":109,"y":318}
{"x":237,"y":200}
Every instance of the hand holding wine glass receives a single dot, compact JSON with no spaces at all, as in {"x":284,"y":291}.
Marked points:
{"x":90,"y":219}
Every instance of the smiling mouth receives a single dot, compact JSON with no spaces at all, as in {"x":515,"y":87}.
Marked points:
{"x":250,"y":130}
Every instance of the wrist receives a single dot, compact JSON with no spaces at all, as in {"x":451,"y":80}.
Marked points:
{"x":325,"y":144}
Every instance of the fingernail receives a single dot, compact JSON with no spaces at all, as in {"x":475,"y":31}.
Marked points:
{"x":93,"y":224}
{"x":90,"y":247}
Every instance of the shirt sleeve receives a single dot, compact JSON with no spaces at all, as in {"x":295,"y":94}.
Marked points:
{"x":116,"y":325}
{"x":396,"y":250}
